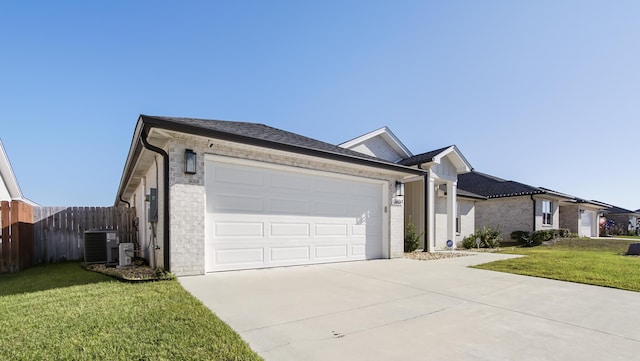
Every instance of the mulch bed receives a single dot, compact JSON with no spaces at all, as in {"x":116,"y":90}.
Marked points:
{"x":428,"y":256}
{"x":133,"y":273}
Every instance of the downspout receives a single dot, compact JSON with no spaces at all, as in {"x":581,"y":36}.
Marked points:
{"x":427,"y":241}
{"x":123,"y":201}
{"x":165,"y":213}
{"x":425,"y":211}
{"x":534,"y":213}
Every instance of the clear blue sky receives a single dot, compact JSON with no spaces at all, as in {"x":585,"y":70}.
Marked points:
{"x":542,"y":92}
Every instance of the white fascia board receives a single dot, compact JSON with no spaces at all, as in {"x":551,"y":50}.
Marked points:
{"x":9,"y":178}
{"x":386,"y":134}
{"x":456,"y":157}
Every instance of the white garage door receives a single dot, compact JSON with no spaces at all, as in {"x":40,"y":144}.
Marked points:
{"x":261,"y":216}
{"x":586,"y":223}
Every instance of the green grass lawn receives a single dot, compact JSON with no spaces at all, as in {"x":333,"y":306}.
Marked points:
{"x":62,"y":312}
{"x":637,"y":238}
{"x":595,"y":262}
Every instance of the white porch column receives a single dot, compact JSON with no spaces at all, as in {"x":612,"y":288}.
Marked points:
{"x":431,"y":215}
{"x":451,"y":212}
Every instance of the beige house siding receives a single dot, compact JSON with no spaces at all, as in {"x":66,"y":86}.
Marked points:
{"x":150,"y":239}
{"x":377,"y":147}
{"x":506,"y":214}
{"x":569,"y":217}
{"x":467,"y":218}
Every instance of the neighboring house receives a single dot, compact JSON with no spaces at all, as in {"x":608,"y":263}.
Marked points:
{"x":432,"y":201}
{"x":624,"y":220}
{"x":217,"y":195}
{"x":9,"y":188}
{"x":513,"y":206}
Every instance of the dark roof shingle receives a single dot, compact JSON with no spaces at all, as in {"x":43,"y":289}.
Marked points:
{"x":422,"y":158}
{"x":493,"y":187}
{"x":261,"y":132}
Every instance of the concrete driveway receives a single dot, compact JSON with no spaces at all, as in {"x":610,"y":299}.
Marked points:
{"x":416,"y":310}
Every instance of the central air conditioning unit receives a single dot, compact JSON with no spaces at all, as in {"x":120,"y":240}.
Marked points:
{"x":101,"y":246}
{"x":125,"y":254}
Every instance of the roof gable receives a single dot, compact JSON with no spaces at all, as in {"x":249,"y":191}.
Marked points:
{"x":436,"y":156}
{"x":380,"y":143}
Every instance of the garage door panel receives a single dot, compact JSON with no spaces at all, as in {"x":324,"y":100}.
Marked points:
{"x":289,"y":206}
{"x":358,"y":250}
{"x":236,"y":203}
{"x":239,"y":229}
{"x":289,"y":183}
{"x":279,"y":254}
{"x":331,"y":230}
{"x":290,"y":230}
{"x":239,"y":256}
{"x":239,"y":176}
{"x":331,"y":209}
{"x":285,"y":217}
{"x":328,"y":252}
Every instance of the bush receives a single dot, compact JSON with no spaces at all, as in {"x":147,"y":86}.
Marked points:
{"x":546,"y":235}
{"x":489,"y":238}
{"x":522,"y":237}
{"x":469,"y":241}
{"x":411,"y":237}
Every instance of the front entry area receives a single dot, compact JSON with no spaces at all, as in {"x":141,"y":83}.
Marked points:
{"x":262,"y":215}
{"x":587,"y":222}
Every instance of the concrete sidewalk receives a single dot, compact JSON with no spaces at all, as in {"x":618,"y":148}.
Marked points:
{"x":415,"y":310}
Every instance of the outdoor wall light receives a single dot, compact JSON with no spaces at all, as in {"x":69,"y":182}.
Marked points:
{"x":399,"y":189}
{"x":189,"y":161}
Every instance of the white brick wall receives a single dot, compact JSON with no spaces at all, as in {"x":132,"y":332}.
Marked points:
{"x":467,"y":218}
{"x":396,"y":230}
{"x":187,"y":229}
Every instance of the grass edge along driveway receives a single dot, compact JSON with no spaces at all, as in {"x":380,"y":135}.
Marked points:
{"x":63,"y":312}
{"x":600,"y":262}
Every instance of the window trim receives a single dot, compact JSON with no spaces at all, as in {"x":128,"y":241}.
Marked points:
{"x":547,"y":217}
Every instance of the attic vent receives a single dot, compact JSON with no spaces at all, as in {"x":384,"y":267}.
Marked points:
{"x":101,"y":246}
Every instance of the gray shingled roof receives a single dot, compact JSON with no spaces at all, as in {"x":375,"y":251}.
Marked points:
{"x":619,"y":210}
{"x":261,"y":132}
{"x":493,"y":187}
{"x":423,"y":158}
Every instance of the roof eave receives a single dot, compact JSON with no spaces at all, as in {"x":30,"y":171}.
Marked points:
{"x":212,"y":133}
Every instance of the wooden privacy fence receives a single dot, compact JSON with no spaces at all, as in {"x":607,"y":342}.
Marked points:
{"x":16,"y":250}
{"x":59,"y":231}
{"x":34,"y":235}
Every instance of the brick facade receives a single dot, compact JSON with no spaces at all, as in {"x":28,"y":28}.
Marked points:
{"x":506,"y":214}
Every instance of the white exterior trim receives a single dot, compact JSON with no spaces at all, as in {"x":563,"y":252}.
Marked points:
{"x":386,"y":134}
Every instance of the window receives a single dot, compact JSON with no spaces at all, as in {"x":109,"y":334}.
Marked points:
{"x":546,"y":212}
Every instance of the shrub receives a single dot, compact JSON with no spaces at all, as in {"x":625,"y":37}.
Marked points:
{"x":489,"y":238}
{"x":546,"y":235}
{"x":411,"y":237}
{"x":469,"y":241}
{"x":522,"y":237}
